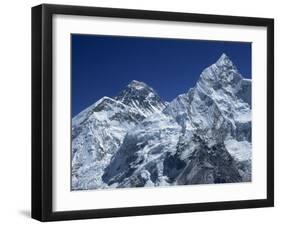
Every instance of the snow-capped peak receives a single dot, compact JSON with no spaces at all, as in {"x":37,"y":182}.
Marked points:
{"x":201,"y":137}
{"x":134,"y":84}
{"x":134,"y":89}
{"x":98,"y":131}
{"x":142,"y":97}
{"x":223,"y":73}
{"x":223,"y":57}
{"x":225,"y":61}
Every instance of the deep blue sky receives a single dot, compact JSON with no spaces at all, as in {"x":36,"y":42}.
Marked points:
{"x":104,"y":65}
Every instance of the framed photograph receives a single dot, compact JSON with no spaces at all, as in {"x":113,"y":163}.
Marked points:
{"x":145,"y":112}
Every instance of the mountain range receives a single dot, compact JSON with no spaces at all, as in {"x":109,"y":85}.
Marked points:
{"x":136,"y":139}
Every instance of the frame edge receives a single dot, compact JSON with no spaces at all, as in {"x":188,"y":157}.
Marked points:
{"x":41,"y":204}
{"x":270,"y":112}
{"x":36,"y":156}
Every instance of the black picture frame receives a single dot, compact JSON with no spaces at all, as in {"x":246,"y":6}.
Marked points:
{"x":42,"y":111}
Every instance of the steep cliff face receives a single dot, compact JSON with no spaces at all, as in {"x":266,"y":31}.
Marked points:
{"x":202,"y":136}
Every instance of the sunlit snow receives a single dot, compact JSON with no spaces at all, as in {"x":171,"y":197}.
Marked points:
{"x":136,"y":139}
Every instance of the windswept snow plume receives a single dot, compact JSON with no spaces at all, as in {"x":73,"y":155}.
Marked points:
{"x":136,"y":139}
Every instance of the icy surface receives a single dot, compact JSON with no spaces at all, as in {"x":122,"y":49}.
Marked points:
{"x":136,"y":139}
{"x":242,"y":150}
{"x":98,"y":131}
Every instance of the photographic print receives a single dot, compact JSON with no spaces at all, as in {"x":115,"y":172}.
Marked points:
{"x":140,"y":112}
{"x":149,"y":112}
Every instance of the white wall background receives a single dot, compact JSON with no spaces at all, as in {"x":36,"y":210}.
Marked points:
{"x":15,"y":113}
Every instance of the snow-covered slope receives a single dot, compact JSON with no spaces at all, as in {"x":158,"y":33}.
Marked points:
{"x":98,"y":131}
{"x":202,"y":136}
{"x":139,"y":161}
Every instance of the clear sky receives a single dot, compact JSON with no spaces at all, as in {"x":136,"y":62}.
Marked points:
{"x":104,"y":65}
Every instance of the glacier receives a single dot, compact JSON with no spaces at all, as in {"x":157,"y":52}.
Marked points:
{"x":136,"y":139}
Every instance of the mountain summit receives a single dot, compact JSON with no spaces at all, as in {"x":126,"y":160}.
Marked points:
{"x":223,"y":73}
{"x":224,"y":60}
{"x":203,"y":136}
{"x":142,"y":97}
{"x":134,"y":84}
{"x":99,"y":130}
